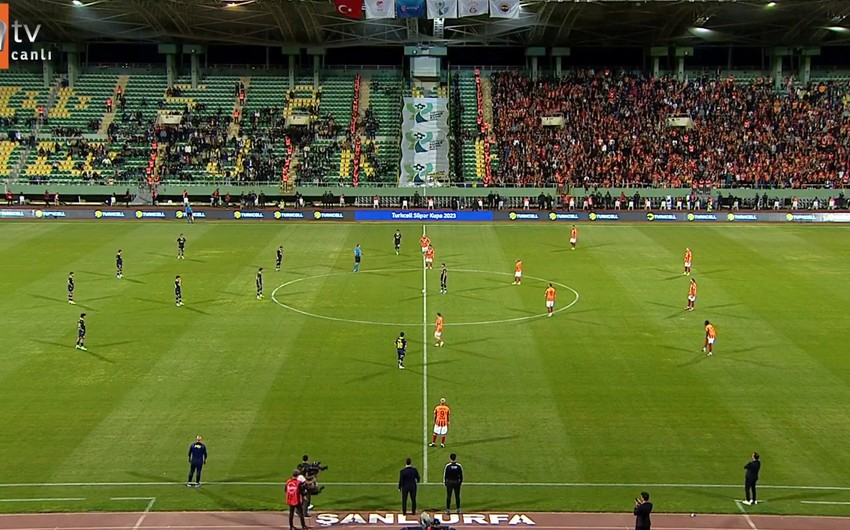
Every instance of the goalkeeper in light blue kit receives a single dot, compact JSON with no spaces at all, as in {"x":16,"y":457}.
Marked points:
{"x":358,"y":252}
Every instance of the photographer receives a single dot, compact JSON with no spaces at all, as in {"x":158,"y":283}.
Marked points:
{"x":642,"y":510}
{"x":310,"y":470}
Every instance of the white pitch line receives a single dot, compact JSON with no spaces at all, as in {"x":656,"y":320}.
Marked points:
{"x":424,"y":369}
{"x":144,"y":514}
{"x":399,"y":324}
{"x":836,"y":503}
{"x":50,"y":499}
{"x":750,"y":522}
{"x":484,"y":484}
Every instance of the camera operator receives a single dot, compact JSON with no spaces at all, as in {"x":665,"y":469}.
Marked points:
{"x":310,"y":470}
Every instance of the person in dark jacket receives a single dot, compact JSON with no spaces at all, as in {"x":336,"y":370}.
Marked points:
{"x":453,"y":478}
{"x":408,"y":479}
{"x":750,"y":478}
{"x":642,"y":510}
{"x":197,"y":460}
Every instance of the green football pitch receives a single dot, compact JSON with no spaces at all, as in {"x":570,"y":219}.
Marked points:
{"x":576,"y":412}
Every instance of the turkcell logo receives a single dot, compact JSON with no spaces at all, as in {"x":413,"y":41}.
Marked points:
{"x":838,"y":217}
{"x":523,"y":216}
{"x":742,"y":217}
{"x":564,"y":216}
{"x":806,"y":217}
{"x":12,"y":213}
{"x":702,"y":217}
{"x":140,"y":214}
{"x":49,"y":213}
{"x":247,"y":215}
{"x":328,"y":215}
{"x":289,"y":215}
{"x":100,"y":214}
{"x":603,"y":216}
{"x":661,"y":217}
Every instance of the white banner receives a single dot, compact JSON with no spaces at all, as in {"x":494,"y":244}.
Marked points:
{"x":504,"y":8}
{"x":424,"y":139}
{"x":380,"y":8}
{"x":442,"y":8}
{"x":471,"y":8}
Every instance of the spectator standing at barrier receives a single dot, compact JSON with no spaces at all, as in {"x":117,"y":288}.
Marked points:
{"x":197,"y":460}
{"x":408,"y":479}
{"x":750,"y":478}
{"x":453,"y":478}
{"x":293,"y":489}
{"x":642,"y":510}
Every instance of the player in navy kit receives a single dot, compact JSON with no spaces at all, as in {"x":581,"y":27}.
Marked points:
{"x":260,"y":283}
{"x":119,"y":265}
{"x":178,"y":291}
{"x":444,"y":279}
{"x":71,"y":288}
{"x":397,"y":241}
{"x":181,"y":247}
{"x":401,"y":349}
{"x":278,"y":258}
{"x":81,"y":332}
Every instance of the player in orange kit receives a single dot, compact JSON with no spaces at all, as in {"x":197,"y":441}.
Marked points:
{"x":692,"y":295}
{"x":573,"y":237}
{"x":429,"y":257}
{"x":518,"y":272}
{"x":550,"y":300}
{"x":438,"y":331}
{"x":710,"y":337}
{"x":424,"y":242}
{"x":441,"y":423}
{"x":688,"y":257}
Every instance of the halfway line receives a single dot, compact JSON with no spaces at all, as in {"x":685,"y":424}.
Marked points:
{"x":424,"y":369}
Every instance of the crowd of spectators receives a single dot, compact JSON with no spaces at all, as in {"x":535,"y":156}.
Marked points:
{"x":318,"y":161}
{"x":616,"y":132}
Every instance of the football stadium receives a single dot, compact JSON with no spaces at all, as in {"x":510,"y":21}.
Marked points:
{"x":425,"y":264}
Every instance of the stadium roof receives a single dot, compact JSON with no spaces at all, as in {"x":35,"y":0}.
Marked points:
{"x":542,"y":23}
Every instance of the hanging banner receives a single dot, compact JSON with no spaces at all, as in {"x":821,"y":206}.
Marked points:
{"x":471,"y":8}
{"x":425,"y":140}
{"x":349,"y":8}
{"x":504,"y":8}
{"x":442,"y":8}
{"x":410,"y":8}
{"x":380,"y":9}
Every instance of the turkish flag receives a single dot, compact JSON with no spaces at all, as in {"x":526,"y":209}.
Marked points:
{"x":349,"y":8}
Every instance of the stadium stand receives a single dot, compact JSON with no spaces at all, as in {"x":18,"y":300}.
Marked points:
{"x":734,"y":130}
{"x":470,"y":130}
{"x":617,"y":131}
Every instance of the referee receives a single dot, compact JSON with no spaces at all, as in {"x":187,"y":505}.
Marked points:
{"x":453,"y":478}
{"x":197,"y":460}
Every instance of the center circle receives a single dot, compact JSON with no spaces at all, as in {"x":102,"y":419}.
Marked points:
{"x":418,"y":324}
